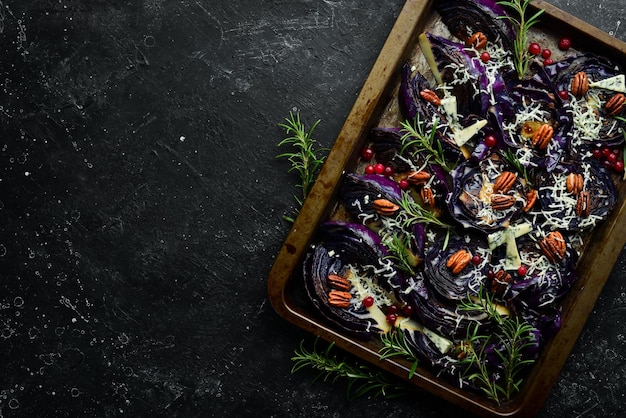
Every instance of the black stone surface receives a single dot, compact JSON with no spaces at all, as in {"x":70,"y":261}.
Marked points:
{"x":141,"y":208}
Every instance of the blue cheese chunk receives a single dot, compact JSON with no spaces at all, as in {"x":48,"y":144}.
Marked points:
{"x":512,"y":260}
{"x":616,"y":83}
{"x":498,"y":238}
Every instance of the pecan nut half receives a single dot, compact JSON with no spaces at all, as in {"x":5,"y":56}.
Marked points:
{"x":580,"y":84}
{"x":615,"y":104}
{"x":430,"y":96}
{"x":339,"y":299}
{"x":583,"y":204}
{"x":500,"y":282}
{"x":338,"y":282}
{"x":502,"y":201}
{"x":427,"y":196}
{"x":553,"y":246}
{"x":574,"y":183}
{"x":504,"y":182}
{"x":418,"y":178}
{"x":542,"y":136}
{"x":478,"y":40}
{"x":531,"y":199}
{"x":384,"y":207}
{"x":458,"y":261}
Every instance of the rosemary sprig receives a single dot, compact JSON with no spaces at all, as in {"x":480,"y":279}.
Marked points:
{"x":483,"y":302}
{"x":415,"y":136}
{"x":305,"y":159}
{"x":512,"y":336}
{"x":394,"y":344}
{"x":413,"y":213}
{"x":362,"y":380}
{"x":521,"y":57}
{"x":510,"y":156}
{"x":400,"y":252}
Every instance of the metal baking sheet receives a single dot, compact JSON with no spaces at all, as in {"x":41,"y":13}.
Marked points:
{"x":284,"y":285}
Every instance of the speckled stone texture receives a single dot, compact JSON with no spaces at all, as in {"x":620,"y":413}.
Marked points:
{"x":141,"y":208}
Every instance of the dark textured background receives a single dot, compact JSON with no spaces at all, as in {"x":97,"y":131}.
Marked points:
{"x":141,"y":207}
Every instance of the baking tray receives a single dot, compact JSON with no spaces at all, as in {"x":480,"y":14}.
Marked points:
{"x":285,"y":288}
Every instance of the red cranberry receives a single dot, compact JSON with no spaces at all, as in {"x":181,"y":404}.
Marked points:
{"x":370,"y":169}
{"x":476,"y":259}
{"x":563,"y":94}
{"x":534,"y":48}
{"x":379,"y":168}
{"x":404,"y":184}
{"x":491,"y":141}
{"x":618,"y":166}
{"x":391,"y":318}
{"x":368,"y":301}
{"x":597,"y":153}
{"x":407,"y":310}
{"x":388,"y":171}
{"x":612,"y":157}
{"x":393,"y":309}
{"x":367,"y":153}
{"x":606,"y":151}
{"x":548,"y":61}
{"x":565,"y":44}
{"x":485,"y":56}
{"x":546,"y":53}
{"x":522,"y":270}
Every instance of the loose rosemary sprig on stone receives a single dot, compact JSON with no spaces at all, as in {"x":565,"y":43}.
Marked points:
{"x":521,"y":57}
{"x":361,"y":379}
{"x":306,"y":159}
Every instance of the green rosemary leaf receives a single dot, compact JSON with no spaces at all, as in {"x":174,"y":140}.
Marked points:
{"x":513,"y":334}
{"x":413,"y":213}
{"x":395,"y":344}
{"x":426,"y":143}
{"x":446,"y":240}
{"x":305,"y":159}
{"x":510,"y":156}
{"x":400,"y":252}
{"x":521,"y":23}
{"x":413,"y":369}
{"x":361,"y":380}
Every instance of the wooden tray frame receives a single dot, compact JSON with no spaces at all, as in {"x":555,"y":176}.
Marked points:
{"x":593,"y":269}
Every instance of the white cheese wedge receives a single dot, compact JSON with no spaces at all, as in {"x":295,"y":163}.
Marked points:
{"x":465,"y":134}
{"x":616,"y":83}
